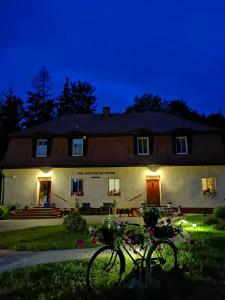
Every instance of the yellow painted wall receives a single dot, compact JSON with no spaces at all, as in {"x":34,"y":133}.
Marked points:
{"x":180,"y":185}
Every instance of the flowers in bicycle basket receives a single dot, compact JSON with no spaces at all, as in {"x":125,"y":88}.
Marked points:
{"x":135,"y":235}
{"x":104,"y":233}
{"x":209,"y":193}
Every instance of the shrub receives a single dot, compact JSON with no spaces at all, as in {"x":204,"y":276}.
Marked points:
{"x":210,"y":220}
{"x":219,"y":212}
{"x":4,"y":210}
{"x":220,"y":225}
{"x":74,"y":222}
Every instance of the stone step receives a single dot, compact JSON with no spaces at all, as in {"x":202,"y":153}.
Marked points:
{"x":37,"y":213}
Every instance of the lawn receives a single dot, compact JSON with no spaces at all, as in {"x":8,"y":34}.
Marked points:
{"x":42,"y":238}
{"x":202,"y":272}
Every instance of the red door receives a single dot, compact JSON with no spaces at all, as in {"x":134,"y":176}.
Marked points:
{"x":153,"y":195}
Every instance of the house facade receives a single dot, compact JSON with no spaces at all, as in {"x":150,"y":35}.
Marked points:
{"x":97,"y":158}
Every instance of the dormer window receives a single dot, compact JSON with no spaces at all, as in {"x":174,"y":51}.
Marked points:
{"x":181,"y":145}
{"x":77,"y":147}
{"x":142,"y":146}
{"x":41,"y":148}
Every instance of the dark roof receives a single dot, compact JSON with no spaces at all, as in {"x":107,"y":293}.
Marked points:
{"x":154,"y":122}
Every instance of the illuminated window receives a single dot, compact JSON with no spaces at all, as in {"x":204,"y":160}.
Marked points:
{"x":143,"y":146}
{"x":208,"y":185}
{"x":181,"y":145}
{"x":77,"y":147}
{"x":77,"y":187}
{"x":41,"y":148}
{"x":114,"y":186}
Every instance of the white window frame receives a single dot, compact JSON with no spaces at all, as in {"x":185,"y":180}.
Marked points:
{"x":186,"y":145}
{"x":114,"y":193}
{"x":77,"y":154}
{"x":44,"y":148}
{"x":142,"y":138}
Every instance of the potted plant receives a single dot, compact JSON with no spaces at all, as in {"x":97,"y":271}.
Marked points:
{"x":151,"y":216}
{"x":143,"y":206}
{"x":114,"y":209}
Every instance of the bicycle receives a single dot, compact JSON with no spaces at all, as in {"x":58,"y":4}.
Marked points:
{"x":108,"y":264}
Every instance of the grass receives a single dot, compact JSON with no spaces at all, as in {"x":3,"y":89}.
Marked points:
{"x":43,"y":238}
{"x":202,"y":269}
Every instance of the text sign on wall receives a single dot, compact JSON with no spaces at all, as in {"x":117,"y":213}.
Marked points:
{"x":95,"y":173}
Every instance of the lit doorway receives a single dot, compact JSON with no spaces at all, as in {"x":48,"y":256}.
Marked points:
{"x":44,"y":192}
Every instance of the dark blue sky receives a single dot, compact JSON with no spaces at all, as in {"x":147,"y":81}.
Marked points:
{"x":175,"y":48}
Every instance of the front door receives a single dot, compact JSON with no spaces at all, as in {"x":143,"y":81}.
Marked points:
{"x":45,"y":193}
{"x":153,"y":194}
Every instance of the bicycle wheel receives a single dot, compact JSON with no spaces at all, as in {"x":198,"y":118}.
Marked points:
{"x":105,"y":269}
{"x":162,"y":256}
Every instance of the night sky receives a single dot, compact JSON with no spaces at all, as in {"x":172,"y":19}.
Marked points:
{"x":175,"y":48}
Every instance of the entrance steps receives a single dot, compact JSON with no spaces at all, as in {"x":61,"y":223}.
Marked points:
{"x":36,"y":213}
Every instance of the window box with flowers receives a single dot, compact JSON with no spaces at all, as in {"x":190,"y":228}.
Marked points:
{"x":209,"y":193}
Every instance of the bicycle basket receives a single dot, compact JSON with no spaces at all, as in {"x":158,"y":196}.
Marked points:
{"x":106,"y":236}
{"x":164,"y":232}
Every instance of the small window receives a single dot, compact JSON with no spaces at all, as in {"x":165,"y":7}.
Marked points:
{"x":41,"y":148}
{"x":114,"y":186}
{"x":208,"y":184}
{"x":77,"y":147}
{"x":77,"y":186}
{"x":143,"y":146}
{"x":181,"y":145}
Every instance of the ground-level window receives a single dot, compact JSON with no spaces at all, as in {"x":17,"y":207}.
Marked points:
{"x":77,"y":147}
{"x":41,"y":147}
{"x":181,"y":145}
{"x":143,"y":146}
{"x":77,"y":187}
{"x":114,"y":186}
{"x":209,"y":186}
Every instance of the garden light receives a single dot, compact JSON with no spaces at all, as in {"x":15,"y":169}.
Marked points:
{"x":194,"y":225}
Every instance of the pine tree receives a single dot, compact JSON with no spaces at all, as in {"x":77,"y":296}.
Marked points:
{"x":11,"y":117}
{"x":40,"y":104}
{"x":64,"y":100}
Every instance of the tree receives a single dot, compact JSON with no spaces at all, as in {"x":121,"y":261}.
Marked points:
{"x":216,"y":119}
{"x":40,"y":104}
{"x":76,"y":97}
{"x":146,"y":103}
{"x":65,"y":100}
{"x":11,"y":117}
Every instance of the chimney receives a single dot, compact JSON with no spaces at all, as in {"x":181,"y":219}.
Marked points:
{"x":106,"y":111}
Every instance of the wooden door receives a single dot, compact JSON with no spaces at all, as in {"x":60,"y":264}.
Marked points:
{"x":153,"y":194}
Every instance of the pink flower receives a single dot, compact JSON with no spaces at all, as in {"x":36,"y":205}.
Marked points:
{"x":93,"y":241}
{"x":80,"y":243}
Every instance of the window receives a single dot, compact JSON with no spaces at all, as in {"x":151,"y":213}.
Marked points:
{"x":41,"y":148}
{"x":77,"y":187}
{"x":181,"y":145}
{"x":77,"y":147}
{"x":142,"y":146}
{"x":114,"y":186}
{"x":208,"y":184}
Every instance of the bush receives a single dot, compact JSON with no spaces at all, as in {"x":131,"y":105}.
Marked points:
{"x":210,"y":220}
{"x":4,"y":210}
{"x":220,"y":225}
{"x":74,"y":222}
{"x":219,"y":212}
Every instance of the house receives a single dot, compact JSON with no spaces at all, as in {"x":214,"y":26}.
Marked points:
{"x":97,"y":158}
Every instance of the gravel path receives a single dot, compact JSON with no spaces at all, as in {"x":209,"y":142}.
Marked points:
{"x":13,"y":259}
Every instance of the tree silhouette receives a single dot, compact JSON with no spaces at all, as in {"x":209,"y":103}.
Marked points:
{"x":40,"y":104}
{"x":146,"y":103}
{"x":11,"y":116}
{"x":76,"y":97}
